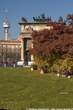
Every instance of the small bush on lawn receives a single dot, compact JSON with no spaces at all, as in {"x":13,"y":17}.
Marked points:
{"x":62,"y":65}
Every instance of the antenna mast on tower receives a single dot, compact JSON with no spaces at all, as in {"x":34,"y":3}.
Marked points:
{"x":6,"y":27}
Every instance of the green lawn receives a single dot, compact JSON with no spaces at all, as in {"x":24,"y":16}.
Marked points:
{"x":20,"y":89}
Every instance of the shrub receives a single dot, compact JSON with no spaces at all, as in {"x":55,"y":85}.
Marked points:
{"x":67,"y":64}
{"x":56,"y":67}
{"x":60,"y":65}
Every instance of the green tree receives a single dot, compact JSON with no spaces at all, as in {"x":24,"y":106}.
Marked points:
{"x":60,"y":19}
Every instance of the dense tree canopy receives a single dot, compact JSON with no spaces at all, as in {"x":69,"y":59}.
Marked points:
{"x":54,"y":47}
{"x":58,"y":40}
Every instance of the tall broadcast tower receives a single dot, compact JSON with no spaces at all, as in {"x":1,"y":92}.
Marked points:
{"x":6,"y":27}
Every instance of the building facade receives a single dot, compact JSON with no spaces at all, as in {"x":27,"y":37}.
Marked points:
{"x":25,"y":36}
{"x":12,"y":51}
{"x":9,"y":51}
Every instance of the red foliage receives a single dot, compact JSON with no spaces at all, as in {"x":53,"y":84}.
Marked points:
{"x":58,"y":40}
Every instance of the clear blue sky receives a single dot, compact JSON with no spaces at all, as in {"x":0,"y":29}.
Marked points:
{"x":29,"y":8}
